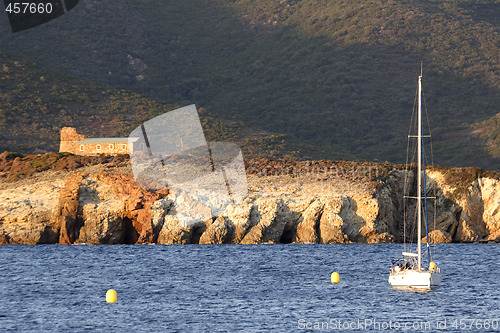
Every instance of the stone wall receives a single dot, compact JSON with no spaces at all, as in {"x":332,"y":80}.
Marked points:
{"x":69,"y":137}
{"x":103,"y":148}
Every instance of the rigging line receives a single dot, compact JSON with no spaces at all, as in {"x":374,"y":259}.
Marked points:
{"x":412,"y":230}
{"x":414,"y":143}
{"x":425,"y":195}
{"x":405,"y":184}
{"x":435,"y":209}
{"x":432,"y":164}
{"x":428,"y":127}
{"x":425,"y":203}
{"x":426,"y":165}
{"x":404,"y":193}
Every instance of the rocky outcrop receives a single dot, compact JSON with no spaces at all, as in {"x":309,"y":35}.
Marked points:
{"x":218,"y":232}
{"x":308,"y":223}
{"x":438,"y":236}
{"x":101,"y":204}
{"x":470,"y":211}
{"x":331,"y":224}
{"x":90,"y":208}
{"x":26,"y":212}
{"x":172,"y":231}
{"x":271,"y":217}
{"x":67,"y":211}
{"x":490,"y":197}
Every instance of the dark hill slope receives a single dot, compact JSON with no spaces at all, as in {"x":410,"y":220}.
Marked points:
{"x":36,"y":101}
{"x":337,"y":76}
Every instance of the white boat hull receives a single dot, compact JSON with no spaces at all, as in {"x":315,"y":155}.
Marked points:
{"x":415,"y":279}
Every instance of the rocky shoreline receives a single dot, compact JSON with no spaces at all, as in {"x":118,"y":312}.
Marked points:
{"x":289,"y":202}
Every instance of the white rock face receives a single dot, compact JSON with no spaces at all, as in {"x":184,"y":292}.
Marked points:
{"x":471,"y":213}
{"x":102,"y":213}
{"x":490,"y":196}
{"x":26,"y":210}
{"x":303,"y":208}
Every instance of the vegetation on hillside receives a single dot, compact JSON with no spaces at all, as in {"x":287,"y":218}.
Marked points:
{"x":36,"y":102}
{"x":489,"y":130}
{"x":14,"y":166}
{"x":335,"y":78}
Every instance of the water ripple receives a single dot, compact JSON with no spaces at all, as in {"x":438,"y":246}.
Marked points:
{"x":277,"y":288}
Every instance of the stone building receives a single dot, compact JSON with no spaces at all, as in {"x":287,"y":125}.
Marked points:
{"x":78,"y":144}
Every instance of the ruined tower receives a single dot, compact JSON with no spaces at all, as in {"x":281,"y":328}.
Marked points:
{"x":69,"y":137}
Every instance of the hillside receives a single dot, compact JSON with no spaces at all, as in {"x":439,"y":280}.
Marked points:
{"x":337,"y":78}
{"x":489,"y":131}
{"x":35,"y":102}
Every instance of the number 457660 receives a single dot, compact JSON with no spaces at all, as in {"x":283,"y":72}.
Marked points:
{"x":478,"y":324}
{"x":28,"y":7}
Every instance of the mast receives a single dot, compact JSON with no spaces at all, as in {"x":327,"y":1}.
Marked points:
{"x":419,"y":179}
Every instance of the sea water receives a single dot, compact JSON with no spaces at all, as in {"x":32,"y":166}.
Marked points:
{"x":254,"y":288}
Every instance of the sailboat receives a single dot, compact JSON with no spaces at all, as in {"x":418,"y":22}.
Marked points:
{"x":409,"y":272}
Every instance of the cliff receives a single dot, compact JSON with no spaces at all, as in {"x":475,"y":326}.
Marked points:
{"x":299,"y":202}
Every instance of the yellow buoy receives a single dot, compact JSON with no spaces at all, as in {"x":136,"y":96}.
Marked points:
{"x":111,"y":296}
{"x":432,"y":266}
{"x":335,"y":277}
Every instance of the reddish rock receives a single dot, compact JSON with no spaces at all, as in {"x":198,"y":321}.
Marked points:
{"x":3,"y":239}
{"x":67,"y":214}
{"x":138,"y":202}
